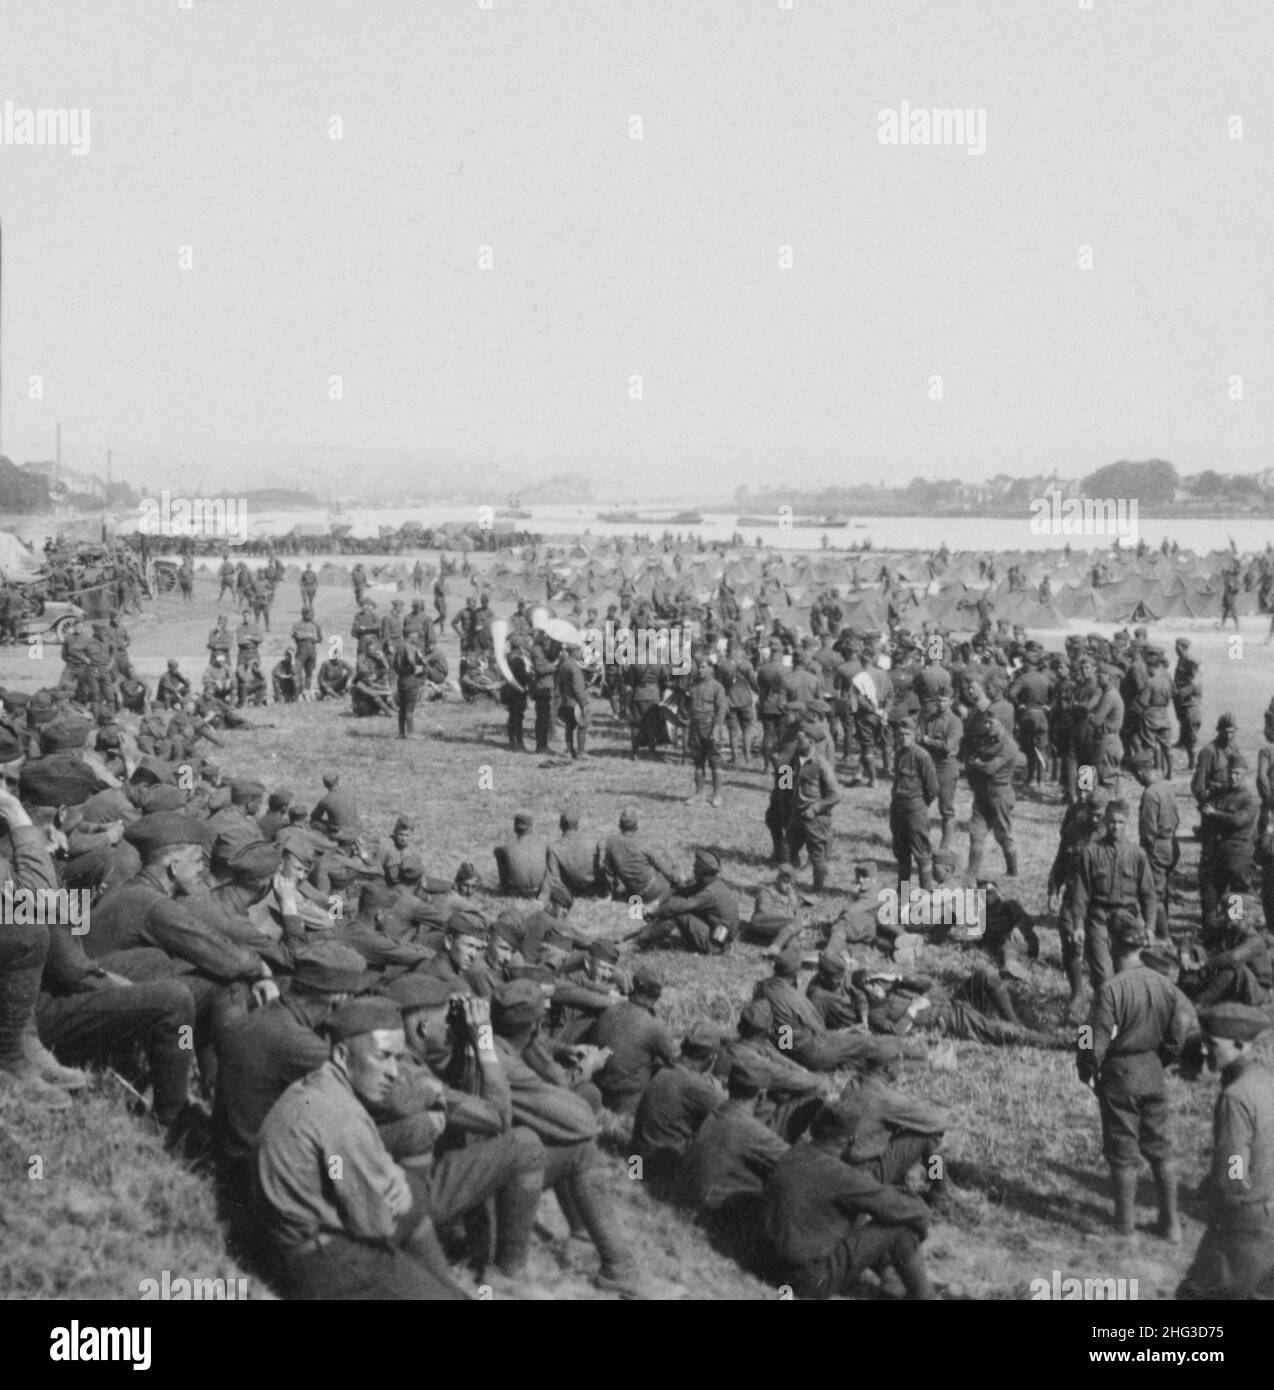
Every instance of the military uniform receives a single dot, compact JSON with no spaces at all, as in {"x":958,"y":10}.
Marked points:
{"x":729,"y":1160}
{"x":915,"y":787}
{"x":940,"y":734}
{"x":771,"y":702}
{"x":307,"y":635}
{"x":635,"y":869}
{"x":544,"y":693}
{"x":520,"y":863}
{"x":1109,"y":879}
{"x":799,"y":815}
{"x":1227,"y":860}
{"x":1031,"y":694}
{"x":639,"y":1043}
{"x":706,"y":914}
{"x":1157,"y":822}
{"x":1187,"y":700}
{"x":1235,"y":1259}
{"x":815,"y":1231}
{"x":572,"y":697}
{"x":671,"y":1109}
{"x":990,"y":776}
{"x":1139,"y":1021}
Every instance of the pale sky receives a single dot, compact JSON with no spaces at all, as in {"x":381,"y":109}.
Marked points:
{"x":509,"y":127}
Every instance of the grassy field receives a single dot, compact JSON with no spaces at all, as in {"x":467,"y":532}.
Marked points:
{"x":1024,"y":1144}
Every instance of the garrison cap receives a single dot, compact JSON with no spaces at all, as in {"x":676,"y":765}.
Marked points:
{"x":296,"y":842}
{"x":757,"y":1017}
{"x":1227,"y":721}
{"x":255,"y":861}
{"x":243,"y":792}
{"x":1126,"y":931}
{"x":628,"y":819}
{"x":1239,"y":762}
{"x":10,"y":742}
{"x":59,"y":780}
{"x":702,"y":1039}
{"x":604,"y":950}
{"x":419,"y":991}
{"x":67,"y":733}
{"x":516,"y":1005}
{"x":158,"y":797}
{"x":163,"y":828}
{"x":817,"y":707}
{"x":404,"y":823}
{"x":280,"y":799}
{"x":834,"y":1122}
{"x":906,"y":723}
{"x":225,"y":845}
{"x":522,"y":821}
{"x":1238,"y":1022}
{"x":16,"y":699}
{"x":152,"y":769}
{"x":463,"y":923}
{"x":466,"y":873}
{"x":1158,"y":957}
{"x":648,"y":981}
{"x":358,"y":1016}
{"x":706,"y":863}
{"x":506,"y":929}
{"x":788,"y":963}
{"x":330,"y":967}
{"x":831,"y":965}
{"x":40,"y":709}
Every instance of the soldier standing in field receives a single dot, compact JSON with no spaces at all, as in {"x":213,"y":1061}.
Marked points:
{"x":1235,"y":1259}
{"x":1139,"y":1021}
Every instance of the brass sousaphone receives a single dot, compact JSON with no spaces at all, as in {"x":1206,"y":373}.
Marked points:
{"x":542,"y":620}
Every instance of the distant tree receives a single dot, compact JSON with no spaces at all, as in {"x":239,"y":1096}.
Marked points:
{"x":1206,"y":484}
{"x":1151,"y":482}
{"x":21,"y":491}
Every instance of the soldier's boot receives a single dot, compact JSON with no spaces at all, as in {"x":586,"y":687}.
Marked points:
{"x":1124,"y":1185}
{"x":1010,"y":863}
{"x":975,"y":863}
{"x":47,"y":1065}
{"x":780,"y":850}
{"x":716,"y":801}
{"x":619,"y":1273}
{"x":924,"y":874}
{"x":909,"y":1263}
{"x":20,"y":1077}
{"x":1076,"y":1004}
{"x":1169,"y":1225}
{"x":581,"y":743}
{"x":820,"y":877}
{"x":1003,"y":1000}
{"x":948,"y":833}
{"x":1190,"y":761}
{"x":423,"y":1243}
{"x":698,"y":791}
{"x":515,"y":1220}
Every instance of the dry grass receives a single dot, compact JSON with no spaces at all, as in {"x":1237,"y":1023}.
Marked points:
{"x":1024,"y":1141}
